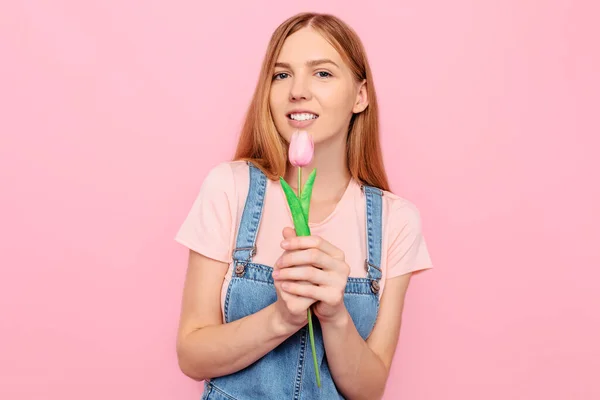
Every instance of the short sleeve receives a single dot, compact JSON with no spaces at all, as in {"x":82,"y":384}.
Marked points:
{"x":207,"y":229}
{"x":407,"y":251}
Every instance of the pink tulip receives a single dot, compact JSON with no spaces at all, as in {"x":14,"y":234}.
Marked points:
{"x":301,"y":149}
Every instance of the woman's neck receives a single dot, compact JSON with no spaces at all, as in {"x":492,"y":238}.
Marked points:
{"x":333,"y":175}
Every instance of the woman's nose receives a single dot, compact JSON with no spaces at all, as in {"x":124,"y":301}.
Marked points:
{"x":300,"y":90}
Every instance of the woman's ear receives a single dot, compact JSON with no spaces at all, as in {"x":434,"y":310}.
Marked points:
{"x":362,"y":98}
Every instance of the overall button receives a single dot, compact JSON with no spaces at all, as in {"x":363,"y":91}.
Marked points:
{"x":240,"y":269}
{"x":375,"y":286}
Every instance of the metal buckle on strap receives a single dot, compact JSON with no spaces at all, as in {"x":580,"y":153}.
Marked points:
{"x":253,"y":248}
{"x":240,"y":264}
{"x":367,"y":263}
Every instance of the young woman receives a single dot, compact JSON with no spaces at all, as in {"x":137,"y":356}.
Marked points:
{"x":250,"y":279}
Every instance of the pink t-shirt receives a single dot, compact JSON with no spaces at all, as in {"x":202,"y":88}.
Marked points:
{"x":212,"y":223}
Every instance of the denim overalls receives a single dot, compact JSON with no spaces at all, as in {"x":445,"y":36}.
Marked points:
{"x":287,"y":372}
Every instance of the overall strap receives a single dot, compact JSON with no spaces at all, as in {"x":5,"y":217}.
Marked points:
{"x":245,"y":246}
{"x":374,"y":231}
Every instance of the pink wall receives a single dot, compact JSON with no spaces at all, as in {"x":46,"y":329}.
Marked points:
{"x":111,"y":113}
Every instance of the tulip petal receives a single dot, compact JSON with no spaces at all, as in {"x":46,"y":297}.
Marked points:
{"x":301,"y":149}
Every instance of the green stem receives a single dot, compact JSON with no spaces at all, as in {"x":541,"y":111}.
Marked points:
{"x":311,"y":333}
{"x":312,"y":346}
{"x":300,"y":207}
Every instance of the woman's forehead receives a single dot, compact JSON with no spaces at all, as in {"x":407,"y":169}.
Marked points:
{"x":307,"y":45}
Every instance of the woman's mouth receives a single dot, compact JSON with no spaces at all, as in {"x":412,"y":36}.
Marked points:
{"x":301,"y":120}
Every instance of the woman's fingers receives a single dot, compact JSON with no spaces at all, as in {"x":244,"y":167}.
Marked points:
{"x":288,"y":232}
{"x":304,"y":273}
{"x":314,"y":257}
{"x":293,"y":242}
{"x":325,"y":294}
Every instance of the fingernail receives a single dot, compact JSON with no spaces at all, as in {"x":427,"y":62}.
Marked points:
{"x":285,"y":243}
{"x":275,"y":273}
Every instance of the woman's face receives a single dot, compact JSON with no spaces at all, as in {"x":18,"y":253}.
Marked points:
{"x":313,"y":89}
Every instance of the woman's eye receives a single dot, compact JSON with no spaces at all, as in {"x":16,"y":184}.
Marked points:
{"x":279,"y":76}
{"x":323,"y":74}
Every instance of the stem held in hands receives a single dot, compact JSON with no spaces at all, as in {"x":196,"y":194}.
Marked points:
{"x":311,"y":333}
{"x":299,"y":206}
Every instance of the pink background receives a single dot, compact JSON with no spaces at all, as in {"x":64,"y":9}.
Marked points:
{"x":111,"y":113}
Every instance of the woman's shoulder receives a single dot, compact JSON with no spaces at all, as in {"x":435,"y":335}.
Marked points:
{"x":400,"y":208}
{"x":224,"y":168}
{"x":221,"y":178}
{"x":226,"y":173}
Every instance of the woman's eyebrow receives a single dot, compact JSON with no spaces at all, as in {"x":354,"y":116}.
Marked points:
{"x":311,"y":63}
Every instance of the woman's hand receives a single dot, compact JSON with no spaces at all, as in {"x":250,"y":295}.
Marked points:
{"x":291,"y":308}
{"x":320,"y":264}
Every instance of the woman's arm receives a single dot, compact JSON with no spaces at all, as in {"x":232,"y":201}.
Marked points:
{"x":207,"y":348}
{"x":359,"y":369}
{"x":362,"y":372}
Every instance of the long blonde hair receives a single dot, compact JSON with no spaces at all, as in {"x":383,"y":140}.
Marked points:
{"x":259,"y":140}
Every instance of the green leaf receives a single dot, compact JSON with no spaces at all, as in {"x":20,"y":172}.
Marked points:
{"x":300,"y":222}
{"x":307,"y":193}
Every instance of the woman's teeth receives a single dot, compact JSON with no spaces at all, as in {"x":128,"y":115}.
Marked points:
{"x":303,"y":117}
